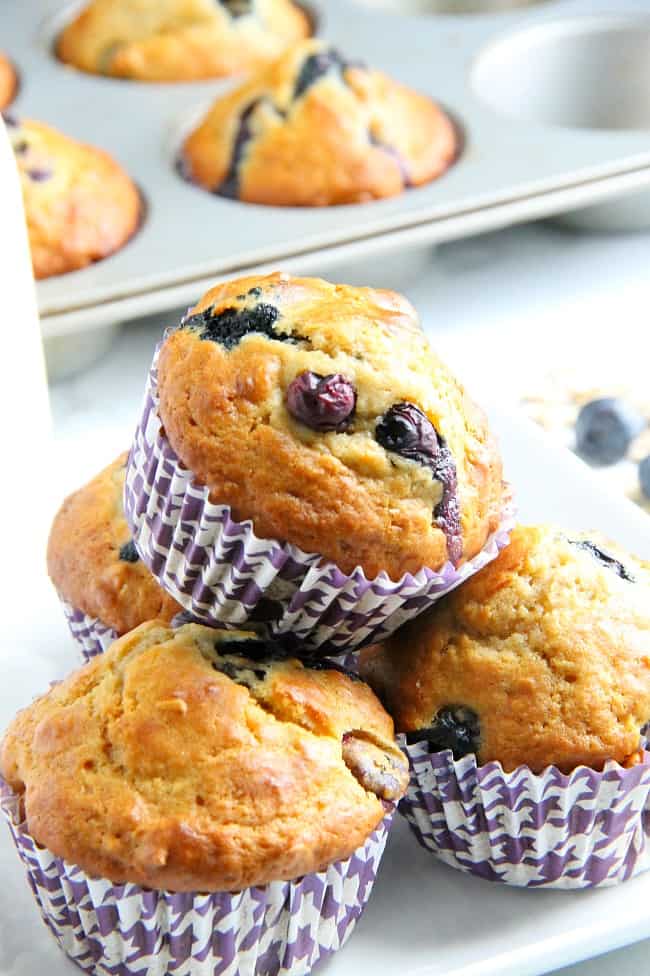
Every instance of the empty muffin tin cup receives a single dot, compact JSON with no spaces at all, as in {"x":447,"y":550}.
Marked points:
{"x":219,"y":571}
{"x":283,"y":927}
{"x":587,"y":829}
{"x":588,"y":74}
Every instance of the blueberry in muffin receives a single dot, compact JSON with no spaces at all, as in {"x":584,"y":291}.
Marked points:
{"x":80,"y":205}
{"x":315,"y":129}
{"x":320,"y":413}
{"x":540,"y":659}
{"x":180,"y":40}
{"x":93,"y":562}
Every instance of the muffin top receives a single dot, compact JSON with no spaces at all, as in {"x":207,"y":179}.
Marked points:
{"x":200,"y":760}
{"x":79,"y":204}
{"x":314,"y":129}
{"x":8,"y":81}
{"x":179,"y":40}
{"x":93,"y":562}
{"x":542,"y":658}
{"x":320,"y":412}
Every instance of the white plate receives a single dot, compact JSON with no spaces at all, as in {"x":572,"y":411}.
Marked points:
{"x":424,"y":919}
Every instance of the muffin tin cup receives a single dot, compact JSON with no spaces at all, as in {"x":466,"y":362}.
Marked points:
{"x":219,"y":571}
{"x":587,"y":829}
{"x":117,"y":930}
{"x":92,"y":635}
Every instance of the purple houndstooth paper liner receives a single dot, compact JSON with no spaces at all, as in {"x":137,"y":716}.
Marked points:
{"x":92,"y":635}
{"x":285,"y":927}
{"x":549,"y":830}
{"x":219,"y":571}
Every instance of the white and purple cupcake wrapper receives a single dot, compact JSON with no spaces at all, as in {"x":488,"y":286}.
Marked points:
{"x":281,"y":929}
{"x":548,"y":830}
{"x":92,"y":635}
{"x":219,"y":571}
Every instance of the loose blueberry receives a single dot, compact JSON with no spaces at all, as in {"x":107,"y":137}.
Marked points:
{"x":455,"y":727}
{"x":321,"y":402}
{"x":316,"y":66}
{"x":128,"y":552}
{"x":644,"y":476}
{"x":603,"y":558}
{"x":230,"y":325}
{"x":406,"y":431}
{"x":605,"y":429}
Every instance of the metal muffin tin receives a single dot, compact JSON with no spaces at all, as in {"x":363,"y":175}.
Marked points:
{"x":553,"y":98}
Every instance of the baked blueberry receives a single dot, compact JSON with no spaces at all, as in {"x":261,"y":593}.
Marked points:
{"x":405,"y":430}
{"x":230,"y":186}
{"x":604,"y":558}
{"x":455,"y":727}
{"x":230,"y":325}
{"x":237,"y":8}
{"x":605,"y":428}
{"x":128,"y":552}
{"x":321,"y":402}
{"x":315,"y":67}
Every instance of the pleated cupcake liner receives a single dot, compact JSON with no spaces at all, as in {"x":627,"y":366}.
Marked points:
{"x":585,"y":829}
{"x":91,"y":634}
{"x":281,"y":929}
{"x":218,"y":569}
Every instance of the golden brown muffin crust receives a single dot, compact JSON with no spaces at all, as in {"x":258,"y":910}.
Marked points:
{"x":84,"y":562}
{"x":548,"y":645}
{"x":180,"y":40}
{"x":314,"y":130}
{"x":80,"y":205}
{"x":8,"y":82}
{"x":151,"y":765}
{"x":338,"y":494}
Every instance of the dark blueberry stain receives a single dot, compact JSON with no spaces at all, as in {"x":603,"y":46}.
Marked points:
{"x":255,"y":292}
{"x":128,"y":552}
{"x":10,"y":120}
{"x":315,"y":67}
{"x":325,"y":664}
{"x":603,"y":558}
{"x":39,"y":174}
{"x":255,"y":649}
{"x":21,"y":147}
{"x":394,"y":154}
{"x":237,"y":8}
{"x":244,"y":135}
{"x":455,"y":727}
{"x":229,"y":326}
{"x":406,"y":431}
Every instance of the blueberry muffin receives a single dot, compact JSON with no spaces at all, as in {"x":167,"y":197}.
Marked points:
{"x":314,"y":129}
{"x":180,"y":40}
{"x":8,"y":82}
{"x":80,"y":205}
{"x":542,"y":658}
{"x":93,"y":563}
{"x":320,"y":412}
{"x":201,"y":760}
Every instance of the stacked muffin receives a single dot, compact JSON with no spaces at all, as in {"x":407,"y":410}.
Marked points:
{"x":306,"y":476}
